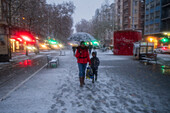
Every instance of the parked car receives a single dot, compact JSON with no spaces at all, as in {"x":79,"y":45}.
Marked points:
{"x":162,"y":49}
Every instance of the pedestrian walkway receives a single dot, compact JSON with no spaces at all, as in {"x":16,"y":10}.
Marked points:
{"x":56,"y":90}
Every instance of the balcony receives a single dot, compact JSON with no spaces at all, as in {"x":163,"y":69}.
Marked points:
{"x":165,"y":3}
{"x":165,"y":13}
{"x":165,"y":25}
{"x":166,"y":18}
{"x":126,"y":22}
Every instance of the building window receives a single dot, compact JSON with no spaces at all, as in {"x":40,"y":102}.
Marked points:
{"x":146,"y":29}
{"x":147,"y":6}
{"x":147,"y":17}
{"x":152,"y":4}
{"x":151,"y":28}
{"x":135,"y":26}
{"x":157,"y":14}
{"x":136,"y":11}
{"x":136,"y":3}
{"x":152,"y":16}
{"x":157,"y":27}
{"x":135,"y":19}
{"x":157,"y":2}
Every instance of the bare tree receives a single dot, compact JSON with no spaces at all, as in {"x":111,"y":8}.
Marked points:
{"x":40,"y":18}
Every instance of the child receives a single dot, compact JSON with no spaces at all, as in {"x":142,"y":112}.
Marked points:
{"x":94,"y":65}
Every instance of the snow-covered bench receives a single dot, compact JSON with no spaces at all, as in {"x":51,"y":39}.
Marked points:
{"x":52,"y":60}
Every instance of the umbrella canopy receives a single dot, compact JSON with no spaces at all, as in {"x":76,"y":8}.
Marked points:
{"x":73,"y":43}
{"x":81,"y":36}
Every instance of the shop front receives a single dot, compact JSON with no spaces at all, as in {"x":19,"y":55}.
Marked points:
{"x":161,"y":39}
{"x":23,"y":42}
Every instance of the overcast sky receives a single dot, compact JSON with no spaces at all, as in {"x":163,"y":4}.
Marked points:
{"x":85,"y":9}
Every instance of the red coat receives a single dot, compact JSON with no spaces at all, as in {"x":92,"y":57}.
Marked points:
{"x":82,"y":55}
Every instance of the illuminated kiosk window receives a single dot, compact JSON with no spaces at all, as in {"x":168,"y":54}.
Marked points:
{"x":17,"y":45}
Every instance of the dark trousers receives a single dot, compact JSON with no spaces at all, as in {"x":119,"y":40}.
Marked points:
{"x":95,"y":72}
{"x":82,"y":69}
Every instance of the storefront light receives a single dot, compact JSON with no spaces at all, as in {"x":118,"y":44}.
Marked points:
{"x":150,"y":39}
{"x":19,"y":39}
{"x":26,"y":38}
{"x":12,"y":40}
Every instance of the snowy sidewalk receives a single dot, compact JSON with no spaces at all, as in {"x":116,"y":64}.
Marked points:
{"x":56,"y":90}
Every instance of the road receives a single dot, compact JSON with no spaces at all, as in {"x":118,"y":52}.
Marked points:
{"x":124,"y":86}
{"x":15,"y":72}
{"x":164,"y":59}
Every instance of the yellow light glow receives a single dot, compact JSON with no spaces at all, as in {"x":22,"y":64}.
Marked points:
{"x":29,"y":47}
{"x":165,"y":33}
{"x":44,"y":46}
{"x":12,"y":40}
{"x":60,"y":45}
{"x":33,"y":48}
{"x":55,"y":46}
{"x":150,"y":39}
{"x":155,"y":41}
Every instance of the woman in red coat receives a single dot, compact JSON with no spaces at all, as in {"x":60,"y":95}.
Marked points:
{"x":83,"y":58}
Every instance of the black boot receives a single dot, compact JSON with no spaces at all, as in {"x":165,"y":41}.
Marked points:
{"x":95,"y":78}
{"x":83,"y":80}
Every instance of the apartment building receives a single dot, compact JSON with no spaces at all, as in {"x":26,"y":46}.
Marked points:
{"x":119,"y":14}
{"x":165,"y":16}
{"x":152,"y":17}
{"x":130,"y":14}
{"x":157,"y":22}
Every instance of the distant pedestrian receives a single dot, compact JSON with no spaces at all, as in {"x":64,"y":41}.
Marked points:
{"x":90,"y":48}
{"x":83,"y":58}
{"x":94,"y":65}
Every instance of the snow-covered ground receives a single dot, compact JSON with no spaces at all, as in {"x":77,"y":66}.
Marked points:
{"x":56,"y":90}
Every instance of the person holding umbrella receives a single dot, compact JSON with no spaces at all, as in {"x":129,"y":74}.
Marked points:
{"x":83,"y":58}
